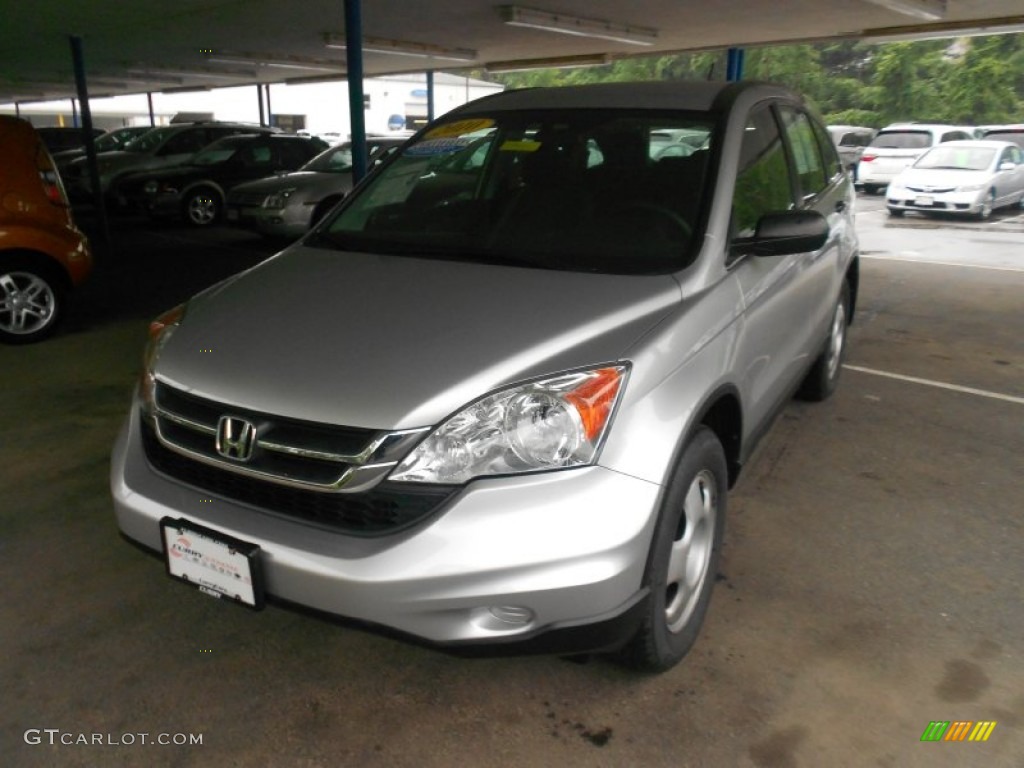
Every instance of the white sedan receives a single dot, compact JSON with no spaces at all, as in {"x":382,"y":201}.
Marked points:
{"x":963,"y":177}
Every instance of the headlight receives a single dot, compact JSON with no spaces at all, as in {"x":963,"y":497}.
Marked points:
{"x":160,"y":332}
{"x":150,"y":187}
{"x":280,"y":198}
{"x":971,"y":188}
{"x":551,"y":423}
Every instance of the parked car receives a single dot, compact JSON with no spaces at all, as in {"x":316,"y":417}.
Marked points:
{"x":500,"y":403}
{"x":1014,"y":133}
{"x":195,"y":191}
{"x":850,"y":141}
{"x":107,"y":142}
{"x":898,"y":146}
{"x":971,"y":178}
{"x":42,"y":254}
{"x":286,"y":205}
{"x":157,"y":148}
{"x":60,"y":138}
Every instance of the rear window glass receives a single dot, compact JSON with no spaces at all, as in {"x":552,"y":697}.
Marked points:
{"x":902,"y":140}
{"x":1016,"y":136}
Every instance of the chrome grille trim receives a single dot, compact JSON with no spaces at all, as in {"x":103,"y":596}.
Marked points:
{"x":290,"y":463}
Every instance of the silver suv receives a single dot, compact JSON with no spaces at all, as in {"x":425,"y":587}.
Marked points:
{"x":498,"y":395}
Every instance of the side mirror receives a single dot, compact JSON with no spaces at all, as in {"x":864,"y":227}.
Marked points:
{"x":1006,"y":165}
{"x":783,"y":233}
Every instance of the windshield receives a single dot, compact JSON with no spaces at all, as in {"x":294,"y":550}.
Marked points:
{"x":581,"y":190}
{"x":334,"y":160}
{"x":902,"y":140}
{"x":150,"y":140}
{"x":957,"y":158}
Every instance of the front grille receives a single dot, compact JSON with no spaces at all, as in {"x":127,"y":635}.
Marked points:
{"x":933,"y":191}
{"x":383,"y":510}
{"x":293,"y":452}
{"x":242,"y":197}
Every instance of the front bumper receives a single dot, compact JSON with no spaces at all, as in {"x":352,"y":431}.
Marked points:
{"x":292,"y":222}
{"x":557,"y":552}
{"x":964,"y":203}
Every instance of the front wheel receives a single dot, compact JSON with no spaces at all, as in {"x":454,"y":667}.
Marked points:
{"x":201,"y":208}
{"x":684,"y":555}
{"x":823,"y":377}
{"x":31,"y":300}
{"x":985,"y":211}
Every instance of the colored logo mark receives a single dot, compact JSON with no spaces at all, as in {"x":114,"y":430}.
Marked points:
{"x":958,"y":730}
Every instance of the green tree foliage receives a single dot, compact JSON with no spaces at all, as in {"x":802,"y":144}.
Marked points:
{"x":971,"y":81}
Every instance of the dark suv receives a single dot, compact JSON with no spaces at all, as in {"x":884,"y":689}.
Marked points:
{"x":196,"y":190}
{"x":158,"y":148}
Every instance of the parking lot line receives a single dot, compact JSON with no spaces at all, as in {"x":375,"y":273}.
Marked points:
{"x":911,"y":260}
{"x":938,"y":384}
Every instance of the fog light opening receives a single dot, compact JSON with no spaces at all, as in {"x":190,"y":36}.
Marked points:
{"x":516,"y":615}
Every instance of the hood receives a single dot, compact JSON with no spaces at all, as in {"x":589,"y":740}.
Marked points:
{"x":942,"y":178}
{"x":302,"y":179}
{"x":389,"y":342}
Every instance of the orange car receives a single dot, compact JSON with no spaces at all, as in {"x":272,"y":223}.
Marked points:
{"x":42,"y":254}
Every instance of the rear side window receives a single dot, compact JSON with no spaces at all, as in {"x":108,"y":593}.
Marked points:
{"x":763,"y":182}
{"x":806,"y":157}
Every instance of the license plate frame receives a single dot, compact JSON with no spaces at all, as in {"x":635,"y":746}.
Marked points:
{"x":213,"y":562}
{"x":924,"y":200}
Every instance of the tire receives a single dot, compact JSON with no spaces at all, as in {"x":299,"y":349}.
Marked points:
{"x":202,"y":207}
{"x":870,"y":189}
{"x":823,"y":377}
{"x":683,"y":560}
{"x":896,"y":212}
{"x":32,"y":298}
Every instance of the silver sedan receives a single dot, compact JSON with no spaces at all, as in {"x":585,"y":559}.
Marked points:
{"x":971,"y":178}
{"x":287,"y":205}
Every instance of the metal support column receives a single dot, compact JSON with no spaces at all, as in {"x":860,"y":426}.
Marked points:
{"x":17,"y":109}
{"x":354,"y":62}
{"x":78,"y":61}
{"x":259,"y":97}
{"x":74,"y":114}
{"x":734,"y":65}
{"x":270,"y":112}
{"x":149,"y":100}
{"x":430,"y":95}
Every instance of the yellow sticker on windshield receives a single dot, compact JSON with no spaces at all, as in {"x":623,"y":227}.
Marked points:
{"x":522,"y":145}
{"x":460,"y":127}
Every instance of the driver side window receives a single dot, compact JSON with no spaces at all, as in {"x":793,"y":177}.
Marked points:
{"x":763,"y":182}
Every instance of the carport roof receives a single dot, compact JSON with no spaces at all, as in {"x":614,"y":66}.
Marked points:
{"x":133,"y":46}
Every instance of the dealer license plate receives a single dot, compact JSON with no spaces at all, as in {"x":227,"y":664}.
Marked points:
{"x":215,"y":563}
{"x":924,"y":200}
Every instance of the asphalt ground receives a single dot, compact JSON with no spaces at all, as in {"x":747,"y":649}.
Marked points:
{"x":871,"y":581}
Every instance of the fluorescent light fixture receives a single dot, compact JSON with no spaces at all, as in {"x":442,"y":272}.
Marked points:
{"x":601,"y":29}
{"x":927,"y":10}
{"x":277,"y":60}
{"x":1001,"y":26}
{"x":558,"y":62}
{"x":402,"y":48}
